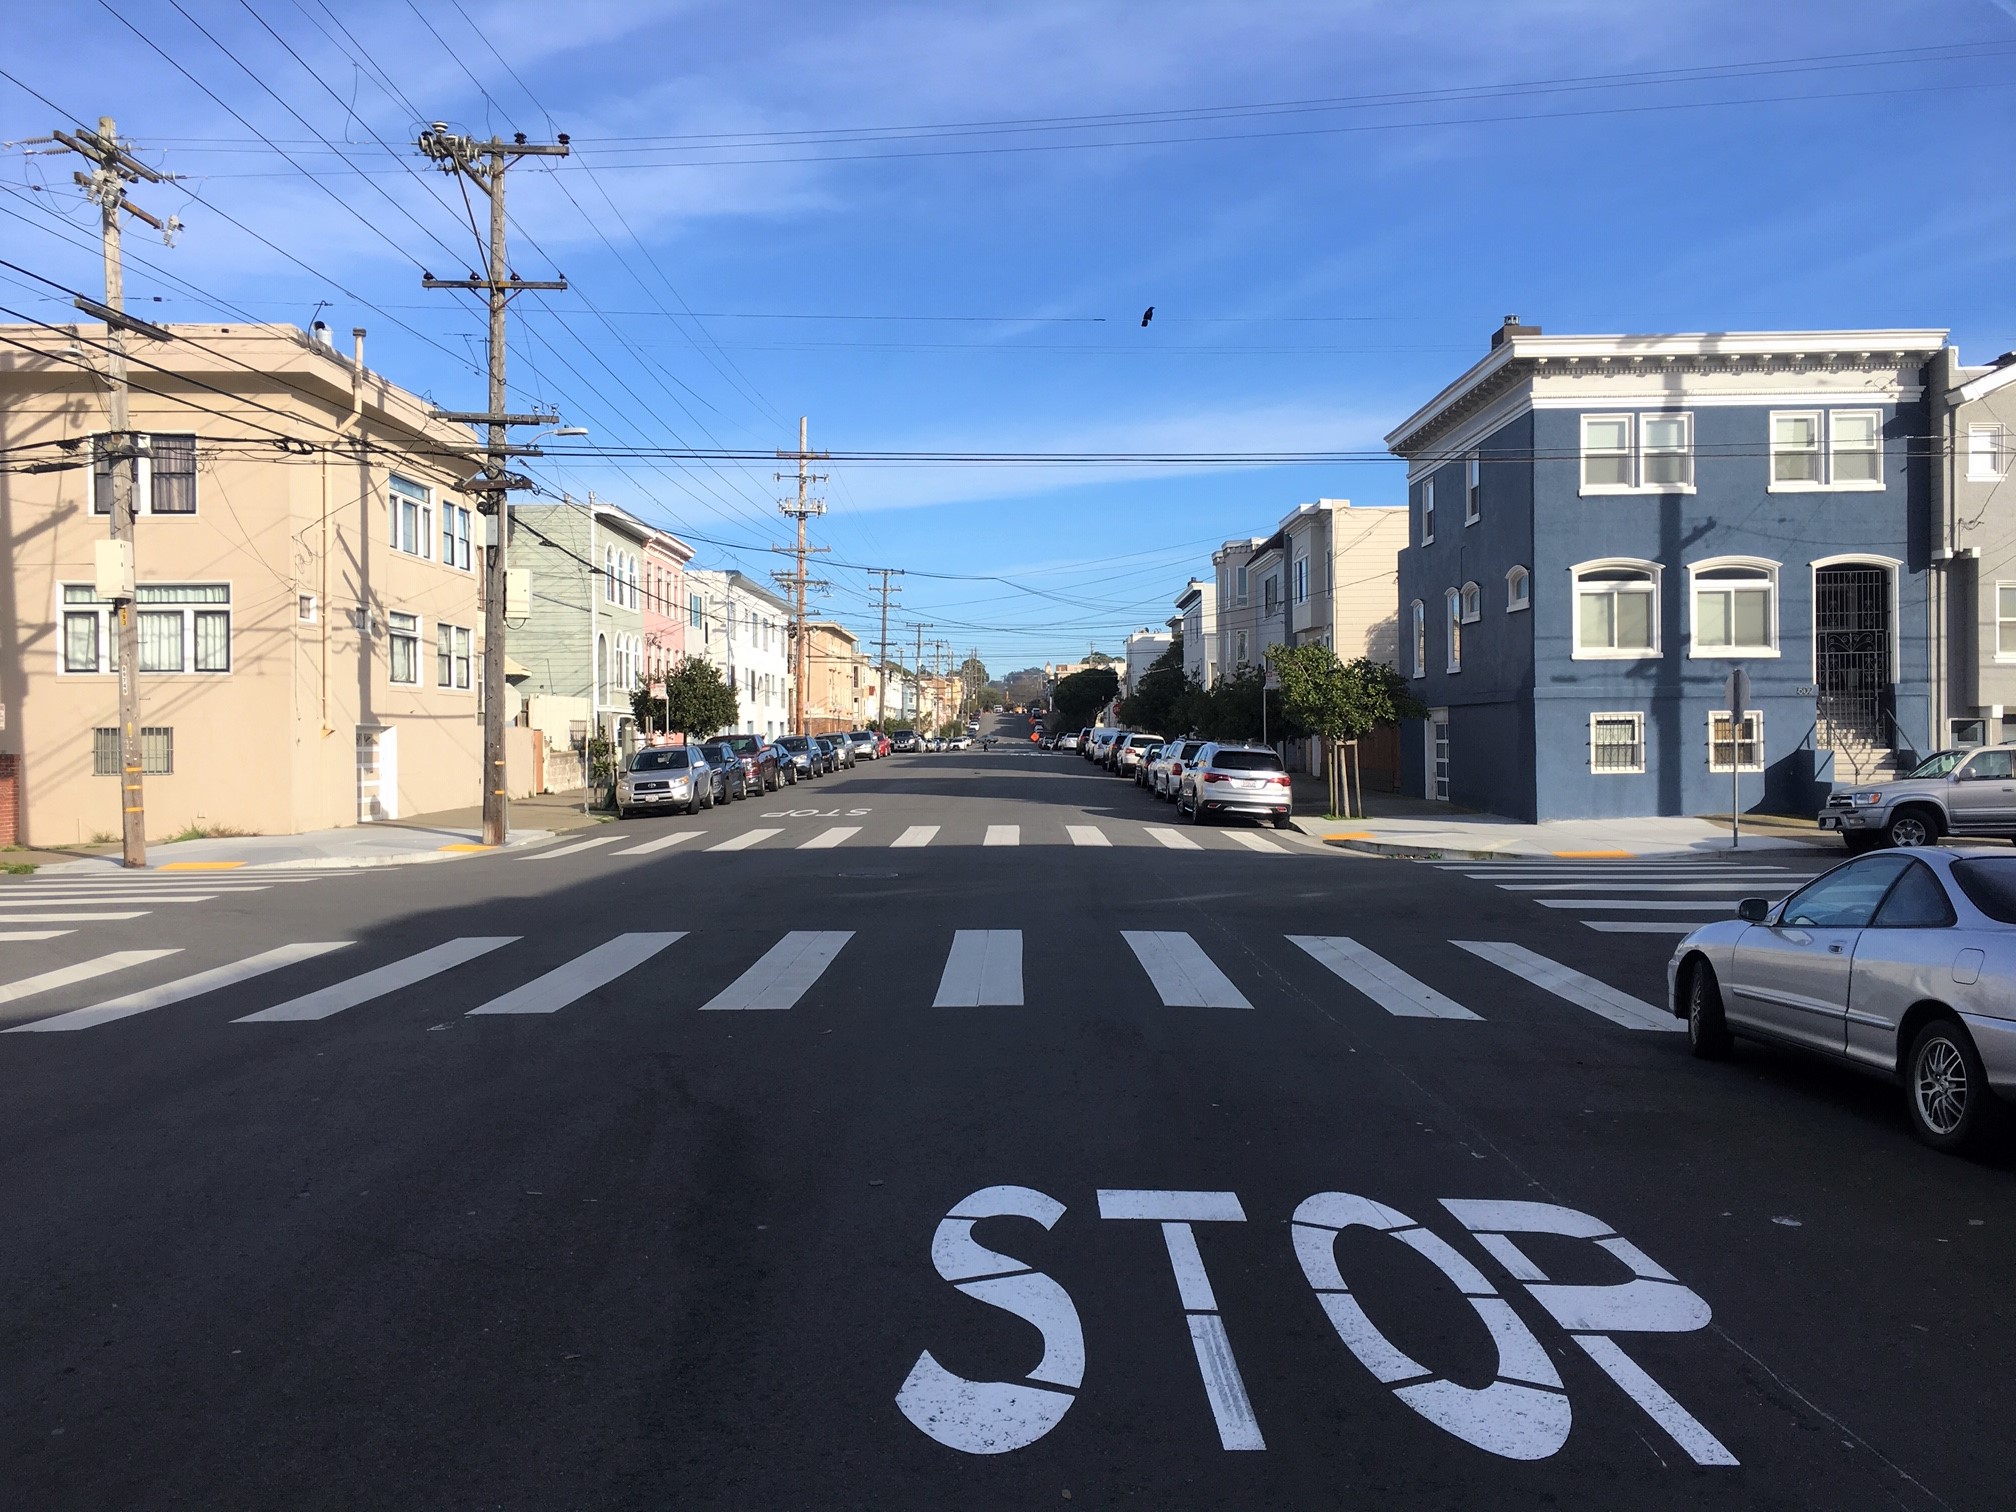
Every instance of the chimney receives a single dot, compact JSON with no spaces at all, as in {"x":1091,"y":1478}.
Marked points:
{"x":1509,"y":329}
{"x":320,"y":332}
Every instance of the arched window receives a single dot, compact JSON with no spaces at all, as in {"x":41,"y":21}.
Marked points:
{"x":1616,"y":609}
{"x":601,"y":661}
{"x":1518,"y":590}
{"x":1734,"y":607}
{"x":1420,"y":640}
{"x":1473,"y":603}
{"x":1453,"y":604}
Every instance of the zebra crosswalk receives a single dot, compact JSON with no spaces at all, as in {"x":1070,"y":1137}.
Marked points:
{"x":1650,"y":897}
{"x":74,"y":900}
{"x":316,"y":980}
{"x":866,"y":835}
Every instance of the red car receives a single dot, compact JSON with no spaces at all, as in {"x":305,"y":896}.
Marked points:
{"x":881,"y":745}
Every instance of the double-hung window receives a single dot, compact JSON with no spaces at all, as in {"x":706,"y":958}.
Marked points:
{"x":182,"y":627}
{"x":88,"y":642}
{"x":1831,"y":449}
{"x":405,"y":647}
{"x":454,"y":536}
{"x":163,"y":470}
{"x":1987,"y":453}
{"x":1736,"y":749}
{"x":2005,"y":622}
{"x":1638,"y":453}
{"x":1302,"y":580}
{"x":412,"y":517}
{"x":1453,"y":617}
{"x":1518,"y":590}
{"x":1735,"y":608}
{"x":1616,"y":744}
{"x":1473,"y":490}
{"x":451,"y":655}
{"x":1239,"y":654}
{"x":1420,"y":611}
{"x":1239,"y":585}
{"x":1428,"y":509}
{"x":1616,"y":610}
{"x":696,"y":613}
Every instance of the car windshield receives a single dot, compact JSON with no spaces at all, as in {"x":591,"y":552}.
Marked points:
{"x":743,"y":745}
{"x":1939,"y":764}
{"x":659,"y":761}
{"x":1246,"y":761}
{"x":1990,"y":885}
{"x":792,"y":742}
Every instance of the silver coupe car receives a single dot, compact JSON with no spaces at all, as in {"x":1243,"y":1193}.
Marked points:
{"x":1902,"y":964}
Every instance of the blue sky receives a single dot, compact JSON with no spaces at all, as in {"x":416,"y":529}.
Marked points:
{"x":1317,"y":270}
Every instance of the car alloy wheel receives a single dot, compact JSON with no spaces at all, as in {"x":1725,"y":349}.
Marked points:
{"x":1946,"y":1088}
{"x":1908,"y":829}
{"x":1707,"y":1031}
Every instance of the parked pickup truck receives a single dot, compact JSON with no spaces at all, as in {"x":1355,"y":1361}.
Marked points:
{"x":1966,"y":792}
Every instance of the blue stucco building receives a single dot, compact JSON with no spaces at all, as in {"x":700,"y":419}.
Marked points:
{"x":1601,"y":527}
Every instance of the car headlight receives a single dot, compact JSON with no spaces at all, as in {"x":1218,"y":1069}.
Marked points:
{"x":1865,"y":800}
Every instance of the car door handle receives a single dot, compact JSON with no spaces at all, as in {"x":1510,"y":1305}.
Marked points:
{"x":1835,"y":948}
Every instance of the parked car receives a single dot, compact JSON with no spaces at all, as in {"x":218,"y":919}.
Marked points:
{"x":1234,"y":779}
{"x":1165,"y":769}
{"x":1068,"y":741}
{"x":960,"y":743}
{"x":863,"y":743}
{"x":759,"y":758}
{"x":663,"y":778}
{"x":843,"y":750}
{"x":905,"y":741}
{"x":1899,"y":965}
{"x":1130,"y":752}
{"x":801,"y":757}
{"x":1965,"y":792}
{"x":731,"y":781}
{"x":1101,"y":743}
{"x":1111,"y":753}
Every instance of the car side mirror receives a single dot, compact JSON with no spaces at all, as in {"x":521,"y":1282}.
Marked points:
{"x":1754,"y":910}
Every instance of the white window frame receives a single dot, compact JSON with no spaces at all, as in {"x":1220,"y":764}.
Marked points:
{"x":1419,"y":612}
{"x":1301,"y":580}
{"x":1518,"y":590}
{"x":457,"y":643}
{"x":307,"y":608}
{"x":1696,"y":587}
{"x":142,"y":465}
{"x":1452,"y":619}
{"x":1633,"y":452}
{"x":1987,"y":453}
{"x":1471,"y":598}
{"x":1428,"y":510}
{"x":1636,"y":719}
{"x":1239,"y":585}
{"x":1829,"y":449}
{"x":1753,"y":720}
{"x":104,"y":616}
{"x":2005,"y":621}
{"x":401,"y":495}
{"x":1473,"y":489}
{"x":1240,"y":648}
{"x":400,"y":626}
{"x":1579,"y":652}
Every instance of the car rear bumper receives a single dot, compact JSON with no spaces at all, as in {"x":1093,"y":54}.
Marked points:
{"x":1256,"y":805}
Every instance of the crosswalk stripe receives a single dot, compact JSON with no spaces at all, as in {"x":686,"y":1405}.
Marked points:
{"x":74,"y":918}
{"x":94,"y":899}
{"x":1640,"y":926}
{"x":663,"y":842}
{"x":183,"y":989}
{"x":575,"y":849}
{"x":1379,"y":979}
{"x":96,"y":890}
{"x":1183,"y":975}
{"x":1086,"y":834}
{"x":34,"y":934}
{"x":1639,"y":903}
{"x":786,"y":972}
{"x":582,"y":975}
{"x":916,"y":836}
{"x":746,"y":839}
{"x":338,"y":996}
{"x":1634,"y":879}
{"x":1003,"y":834}
{"x":1599,"y":998}
{"x":1651,"y":887}
{"x":83,"y":971}
{"x":984,"y":970}
{"x":827,"y":839}
{"x":1172,"y":839}
{"x":1255,"y":842}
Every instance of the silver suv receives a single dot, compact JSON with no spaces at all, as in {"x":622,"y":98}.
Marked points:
{"x":1969,"y":792}
{"x":1234,"y":779}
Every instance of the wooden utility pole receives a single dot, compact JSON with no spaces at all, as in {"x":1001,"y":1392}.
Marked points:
{"x":918,"y":680}
{"x":113,"y":167}
{"x":882,"y":648}
{"x":796,"y":579}
{"x":484,"y":165}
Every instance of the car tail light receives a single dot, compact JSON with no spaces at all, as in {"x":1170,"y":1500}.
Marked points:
{"x":1281,"y":778}
{"x":1215,"y":777}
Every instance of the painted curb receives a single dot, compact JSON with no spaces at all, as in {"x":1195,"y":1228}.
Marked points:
{"x":1404,"y":849}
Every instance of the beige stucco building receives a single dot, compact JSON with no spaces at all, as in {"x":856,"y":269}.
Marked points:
{"x":307,"y":587}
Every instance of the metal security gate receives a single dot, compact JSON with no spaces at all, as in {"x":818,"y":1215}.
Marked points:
{"x":1851,"y":653}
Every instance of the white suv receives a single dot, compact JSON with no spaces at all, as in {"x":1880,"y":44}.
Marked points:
{"x":1235,"y":779}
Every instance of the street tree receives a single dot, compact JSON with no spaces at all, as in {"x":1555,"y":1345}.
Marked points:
{"x":1158,"y":703}
{"x":1338,"y":701}
{"x":1077,"y":699}
{"x":698,"y":699}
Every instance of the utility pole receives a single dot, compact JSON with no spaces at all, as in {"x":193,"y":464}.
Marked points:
{"x":918,"y":680}
{"x":796,"y":579}
{"x":484,"y":164}
{"x":113,"y":167}
{"x":882,"y":665}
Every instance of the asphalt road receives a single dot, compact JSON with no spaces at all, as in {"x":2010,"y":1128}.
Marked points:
{"x":1109,"y":1172}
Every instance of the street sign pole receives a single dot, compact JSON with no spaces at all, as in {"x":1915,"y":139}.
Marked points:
{"x":1736,"y":691}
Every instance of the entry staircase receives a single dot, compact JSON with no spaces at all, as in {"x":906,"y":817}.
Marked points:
{"x":1858,"y":759}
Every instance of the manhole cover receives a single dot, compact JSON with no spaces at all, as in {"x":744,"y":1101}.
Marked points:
{"x":877,"y":875}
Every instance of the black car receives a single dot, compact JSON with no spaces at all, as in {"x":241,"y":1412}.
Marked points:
{"x":731,"y":780}
{"x":760,"y":760}
{"x":905,"y":740}
{"x":801,"y":757}
{"x":828,"y":753}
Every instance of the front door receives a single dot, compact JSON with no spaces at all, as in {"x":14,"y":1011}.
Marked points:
{"x":1851,"y":654}
{"x":1982,"y":794}
{"x":370,"y":776}
{"x":1791,"y":978}
{"x":1436,"y":785}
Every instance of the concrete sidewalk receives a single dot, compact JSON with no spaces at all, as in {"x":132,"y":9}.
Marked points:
{"x":1397,"y":826}
{"x":452,"y":835}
